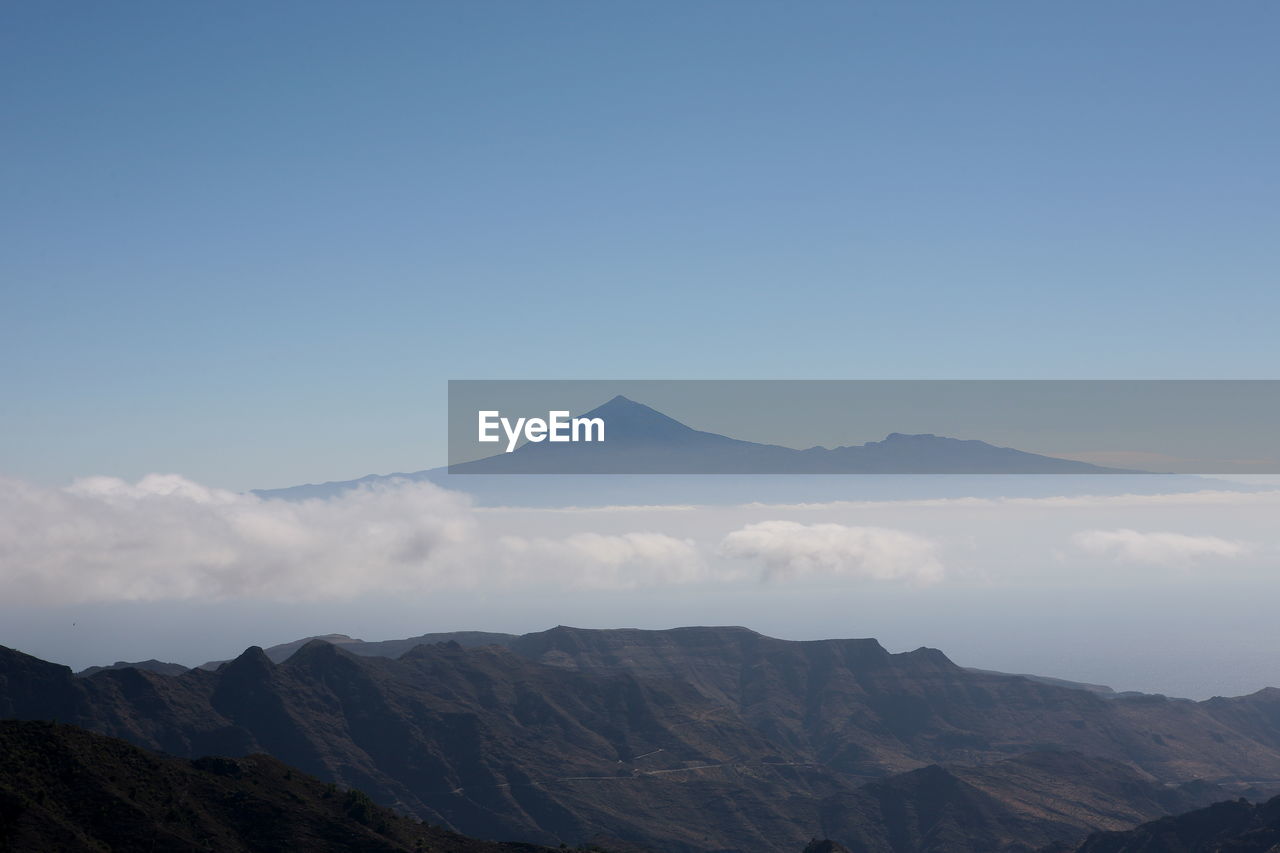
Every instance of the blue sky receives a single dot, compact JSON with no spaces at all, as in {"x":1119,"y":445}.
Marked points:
{"x":250,"y":242}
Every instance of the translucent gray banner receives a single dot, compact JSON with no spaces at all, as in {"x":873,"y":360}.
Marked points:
{"x":864,"y":426}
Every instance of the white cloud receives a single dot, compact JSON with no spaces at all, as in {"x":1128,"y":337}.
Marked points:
{"x":790,"y":550}
{"x":1157,"y":548}
{"x":167,"y":538}
{"x":597,"y":561}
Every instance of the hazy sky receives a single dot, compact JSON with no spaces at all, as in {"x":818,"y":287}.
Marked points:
{"x":250,"y":242}
{"x":246,"y":245}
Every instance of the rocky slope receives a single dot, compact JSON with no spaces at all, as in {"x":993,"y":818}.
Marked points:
{"x":1019,"y":804}
{"x":854,"y":707}
{"x":66,"y":789}
{"x":1227,"y":827}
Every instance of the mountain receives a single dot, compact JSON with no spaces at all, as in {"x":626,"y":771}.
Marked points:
{"x":682,"y":740}
{"x":641,"y":440}
{"x":587,"y":490}
{"x":864,"y":710}
{"x":152,"y":665}
{"x":1226,"y":827}
{"x":479,"y":738}
{"x":1017,"y":805}
{"x":649,"y":457}
{"x":471,"y":639}
{"x":378,"y":648}
{"x":63,"y":788}
{"x":394,"y":648}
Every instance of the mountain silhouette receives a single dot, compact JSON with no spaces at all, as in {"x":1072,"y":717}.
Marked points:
{"x":642,"y":440}
{"x":636,"y":423}
{"x":651,"y":458}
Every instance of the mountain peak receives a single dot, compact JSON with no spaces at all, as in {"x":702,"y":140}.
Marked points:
{"x":252,"y":660}
{"x":619,"y":405}
{"x":626,"y":419}
{"x":315,"y":649}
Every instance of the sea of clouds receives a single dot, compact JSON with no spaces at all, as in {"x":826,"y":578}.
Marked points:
{"x":165,"y":537}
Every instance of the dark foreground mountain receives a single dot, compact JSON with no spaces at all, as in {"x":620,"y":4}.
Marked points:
{"x":1227,"y":827}
{"x":66,"y":789}
{"x":825,"y":845}
{"x":1018,"y":805}
{"x":688,"y":739}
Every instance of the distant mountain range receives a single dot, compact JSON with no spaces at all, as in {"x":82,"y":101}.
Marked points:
{"x":478,"y":639}
{"x":690,"y":739}
{"x":641,"y":440}
{"x":649,"y":457}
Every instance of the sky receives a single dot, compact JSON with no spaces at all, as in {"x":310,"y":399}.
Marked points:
{"x":246,"y":245}
{"x":250,"y":243}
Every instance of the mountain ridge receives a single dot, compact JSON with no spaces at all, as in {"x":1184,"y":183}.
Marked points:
{"x":395,"y":647}
{"x":683,"y":740}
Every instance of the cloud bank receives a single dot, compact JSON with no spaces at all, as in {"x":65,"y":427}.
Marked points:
{"x":1157,"y":548}
{"x":166,"y":537}
{"x":790,"y":550}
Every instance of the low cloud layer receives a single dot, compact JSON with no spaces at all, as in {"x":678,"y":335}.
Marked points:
{"x":165,"y":537}
{"x":168,"y":538}
{"x":1157,"y":548}
{"x":791,"y":551}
